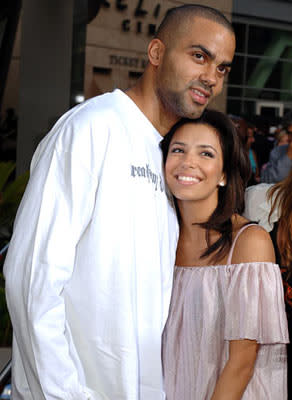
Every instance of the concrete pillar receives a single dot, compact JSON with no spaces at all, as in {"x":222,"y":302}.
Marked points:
{"x":45,"y":71}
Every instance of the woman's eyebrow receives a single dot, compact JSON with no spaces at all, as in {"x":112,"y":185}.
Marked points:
{"x":178,"y":143}
{"x":207,"y":146}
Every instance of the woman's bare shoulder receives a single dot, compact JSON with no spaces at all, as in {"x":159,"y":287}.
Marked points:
{"x":254,"y":244}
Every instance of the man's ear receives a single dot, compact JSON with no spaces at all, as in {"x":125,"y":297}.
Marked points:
{"x":155,"y":52}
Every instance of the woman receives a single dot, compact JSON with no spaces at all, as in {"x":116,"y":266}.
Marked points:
{"x":271,"y":206}
{"x":255,"y":174}
{"x":246,"y":133}
{"x":221,"y":340}
{"x":281,"y":138}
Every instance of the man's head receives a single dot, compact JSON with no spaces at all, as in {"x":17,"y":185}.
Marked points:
{"x":190,"y":57}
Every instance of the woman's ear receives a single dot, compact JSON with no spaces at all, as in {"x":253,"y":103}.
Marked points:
{"x":155,"y":52}
{"x":222,"y":181}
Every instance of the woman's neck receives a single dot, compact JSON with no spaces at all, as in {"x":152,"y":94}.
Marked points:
{"x":195,"y":212}
{"x":192,"y":238}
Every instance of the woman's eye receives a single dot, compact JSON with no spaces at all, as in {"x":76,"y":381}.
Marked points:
{"x":207,"y":154}
{"x":176,"y":150}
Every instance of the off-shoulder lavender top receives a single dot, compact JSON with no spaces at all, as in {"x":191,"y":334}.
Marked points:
{"x":212,"y":305}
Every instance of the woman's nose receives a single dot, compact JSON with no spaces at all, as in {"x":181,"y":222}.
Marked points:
{"x":189,"y":161}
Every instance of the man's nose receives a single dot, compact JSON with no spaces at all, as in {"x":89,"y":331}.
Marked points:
{"x":209,"y":75}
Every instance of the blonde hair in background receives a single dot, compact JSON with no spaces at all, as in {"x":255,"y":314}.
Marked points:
{"x":280,"y":196}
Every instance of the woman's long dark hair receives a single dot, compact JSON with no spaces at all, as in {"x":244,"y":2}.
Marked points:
{"x":236,"y":167}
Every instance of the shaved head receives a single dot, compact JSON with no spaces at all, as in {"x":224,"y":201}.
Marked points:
{"x":177,"y":20}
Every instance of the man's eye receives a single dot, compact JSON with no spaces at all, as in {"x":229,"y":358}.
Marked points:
{"x":199,"y":56}
{"x":223,"y":70}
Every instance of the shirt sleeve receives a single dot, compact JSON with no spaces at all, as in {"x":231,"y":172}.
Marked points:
{"x":55,"y":210}
{"x":258,"y":206}
{"x":254,"y":305}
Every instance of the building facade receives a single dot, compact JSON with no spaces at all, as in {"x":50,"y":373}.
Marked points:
{"x":261,"y":78}
{"x":110,"y":51}
{"x":115,"y":47}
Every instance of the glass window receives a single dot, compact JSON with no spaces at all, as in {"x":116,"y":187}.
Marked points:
{"x":259,"y":39}
{"x":236,"y":75}
{"x":240,"y":32}
{"x":270,"y":78}
{"x":235,"y":92}
{"x":234,"y":107}
{"x":279,"y":79}
{"x":264,"y":72}
{"x":268,"y":41}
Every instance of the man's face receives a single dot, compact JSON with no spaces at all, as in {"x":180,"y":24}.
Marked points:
{"x":192,"y":69}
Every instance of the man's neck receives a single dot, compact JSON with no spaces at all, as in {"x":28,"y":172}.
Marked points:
{"x":146,"y":99}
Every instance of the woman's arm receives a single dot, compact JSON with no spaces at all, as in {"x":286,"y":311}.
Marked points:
{"x":237,"y":371}
{"x":253,"y":245}
{"x":257,"y":173}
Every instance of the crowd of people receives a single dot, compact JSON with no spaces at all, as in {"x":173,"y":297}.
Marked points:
{"x":269,"y":203}
{"x":134,"y":271}
{"x":269,"y":147}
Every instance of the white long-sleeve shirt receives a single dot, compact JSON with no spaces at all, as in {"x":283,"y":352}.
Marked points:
{"x":89,"y":268}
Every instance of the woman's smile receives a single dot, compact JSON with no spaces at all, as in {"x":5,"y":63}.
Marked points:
{"x":194,"y":165}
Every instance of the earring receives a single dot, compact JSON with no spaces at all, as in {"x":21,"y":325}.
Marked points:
{"x":221,"y":183}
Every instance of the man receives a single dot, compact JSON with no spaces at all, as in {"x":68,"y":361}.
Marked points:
{"x":89,"y":269}
{"x":280,"y":161}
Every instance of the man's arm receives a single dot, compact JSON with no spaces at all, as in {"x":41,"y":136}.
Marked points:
{"x":55,"y":211}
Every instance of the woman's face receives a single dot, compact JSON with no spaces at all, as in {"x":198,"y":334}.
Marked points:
{"x":284,"y":139}
{"x":194,"y":164}
{"x":250,"y":137}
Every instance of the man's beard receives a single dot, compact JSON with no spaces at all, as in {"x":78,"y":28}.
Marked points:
{"x":174,"y":103}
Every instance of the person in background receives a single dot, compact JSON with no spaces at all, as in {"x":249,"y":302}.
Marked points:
{"x":280,"y":163}
{"x":271,"y":206}
{"x":246,"y":133}
{"x":280,"y":160}
{"x":287,"y":121}
{"x":249,"y":140}
{"x":226,"y":331}
{"x":281,"y":137}
{"x":263,"y":143}
{"x":89,"y":269}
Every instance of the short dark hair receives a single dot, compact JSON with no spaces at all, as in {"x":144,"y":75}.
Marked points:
{"x":237,"y":170}
{"x":176,"y":16}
